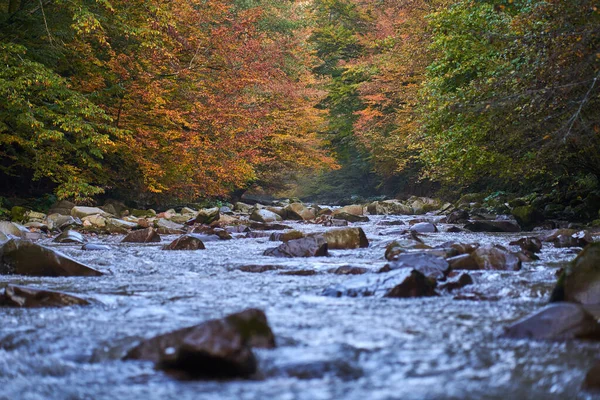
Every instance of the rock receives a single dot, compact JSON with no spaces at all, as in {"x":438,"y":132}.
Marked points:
{"x":592,"y":379}
{"x":268,"y":227}
{"x":350,"y":217}
{"x":186,"y":242}
{"x":348,"y":270}
{"x":17,"y":214}
{"x":458,"y":217}
{"x":457,"y":283}
{"x":454,"y":229}
{"x":346,"y":238}
{"x":94,"y":221}
{"x":422,"y":205}
{"x":37,"y":226}
{"x":13,"y":229}
{"x":114,"y":225}
{"x":264,"y":216}
{"x":551,"y":237}
{"x":166,"y":227}
{"x":298,"y":212}
{"x":21,"y":257}
{"x":62,"y":222}
{"x":258,"y":269}
{"x":313,"y":246}
{"x":142,"y":213}
{"x":399,"y":283}
{"x":391,"y":207}
{"x":95,"y":247}
{"x":257,"y":235}
{"x":300,"y":272}
{"x":496,"y":258}
{"x":463,"y":262}
{"x":399,"y":246}
{"x":527,"y":216}
{"x":532,"y":244}
{"x":242,"y":207}
{"x":335,"y":222}
{"x":82,"y":212}
{"x":429,"y":265}
{"x":580,"y":282}
{"x":27,"y":297}
{"x":148,"y":235}
{"x":286,"y":236}
{"x":63,"y":207}
{"x":396,"y":222}
{"x":115,"y":207}
{"x":208,"y":216}
{"x":218,"y":348}
{"x":424,"y":227}
{"x":577,"y":239}
{"x":70,"y":237}
{"x":237,"y":229}
{"x":33,"y":216}
{"x":493,"y":226}
{"x":560,"y":321}
{"x":188,"y":211}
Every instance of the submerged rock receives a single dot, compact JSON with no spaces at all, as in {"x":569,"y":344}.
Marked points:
{"x":95,"y":247}
{"x":148,"y":235}
{"x":27,"y":297}
{"x":346,"y":238}
{"x":313,"y":246}
{"x":560,"y":321}
{"x":457,"y":282}
{"x":349,"y":270}
{"x":21,"y":257}
{"x":397,"y":247}
{"x":218,"y":348}
{"x":580,"y":282}
{"x":186,"y":242}
{"x":463,"y":262}
{"x":401,"y":283}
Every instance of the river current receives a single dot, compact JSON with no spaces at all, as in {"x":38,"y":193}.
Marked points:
{"x":328,"y":348}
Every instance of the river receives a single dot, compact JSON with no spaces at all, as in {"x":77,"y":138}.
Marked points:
{"x":328,"y":348}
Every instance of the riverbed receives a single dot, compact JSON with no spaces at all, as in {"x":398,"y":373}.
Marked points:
{"x":445,"y":347}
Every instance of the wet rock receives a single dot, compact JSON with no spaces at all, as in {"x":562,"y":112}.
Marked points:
{"x":237,"y":229}
{"x":349,"y":270}
{"x":286,"y":236}
{"x":592,"y":379}
{"x":577,"y":239}
{"x":114,"y":225}
{"x":94,"y":222}
{"x":422,"y":205}
{"x":391,"y":223}
{"x":461,"y":248}
{"x":496,"y":258}
{"x":264,"y":216}
{"x":63,"y":207}
{"x":208,"y":216}
{"x":350,"y":217}
{"x":21,"y":257}
{"x":401,"y":283}
{"x":391,"y":207}
{"x":219,"y":348}
{"x":62,"y":222}
{"x":335,"y":222}
{"x":300,"y":272}
{"x":580,"y":282}
{"x":258,"y":269}
{"x":458,"y":217}
{"x":70,"y":237}
{"x":457,"y":282}
{"x":397,"y":247}
{"x":82,"y":212}
{"x":27,"y":297}
{"x":13,"y":229}
{"x":424,"y":227}
{"x":95,"y":247}
{"x":354,"y":209}
{"x":242,"y":207}
{"x":463,"y":262}
{"x":526,"y":256}
{"x":299,"y":212}
{"x":527,"y":216}
{"x":560,"y":321}
{"x":142,"y":213}
{"x":429,"y":265}
{"x":257,"y":235}
{"x":346,"y":238}
{"x":532,"y":244}
{"x":454,"y":229}
{"x":313,"y":246}
{"x":268,"y":227}
{"x":166,"y":227}
{"x":148,"y":235}
{"x":33,"y":216}
{"x":186,"y":242}
{"x":492,"y":226}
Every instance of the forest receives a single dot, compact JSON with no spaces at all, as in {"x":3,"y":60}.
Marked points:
{"x":156,"y":102}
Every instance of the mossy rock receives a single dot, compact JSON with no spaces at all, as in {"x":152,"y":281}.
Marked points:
{"x":527,"y":216}
{"x":580,"y":282}
{"x":142,"y":213}
{"x":17,"y":213}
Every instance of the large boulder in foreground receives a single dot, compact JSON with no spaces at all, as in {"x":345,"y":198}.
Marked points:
{"x":218,"y":348}
{"x":186,"y":242}
{"x":312,"y":246}
{"x":346,"y":238}
{"x":148,"y":235}
{"x":402,"y":283}
{"x":27,"y":297}
{"x":560,"y":321}
{"x":21,"y":257}
{"x":592,"y":379}
{"x":580,"y":282}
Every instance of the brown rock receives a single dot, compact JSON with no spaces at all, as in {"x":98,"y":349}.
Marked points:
{"x":346,"y":238}
{"x":463,"y":261}
{"x":22,"y":296}
{"x":532,"y":244}
{"x":349,"y":270}
{"x":496,"y":258}
{"x":314,"y":246}
{"x":148,"y":235}
{"x":493,"y":226}
{"x":186,"y":242}
{"x":286,"y":236}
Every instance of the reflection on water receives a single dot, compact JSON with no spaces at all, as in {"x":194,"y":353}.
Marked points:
{"x":329,"y":348}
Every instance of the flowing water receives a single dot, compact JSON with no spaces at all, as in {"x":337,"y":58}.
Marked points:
{"x":328,"y":348}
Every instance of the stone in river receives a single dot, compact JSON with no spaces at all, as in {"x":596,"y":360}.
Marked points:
{"x":592,"y":379}
{"x":463,"y":261}
{"x":148,"y":235}
{"x":496,"y":258}
{"x":402,"y":283}
{"x":264,"y":216}
{"x":493,"y":226}
{"x":259,"y":226}
{"x":457,"y":282}
{"x":70,"y":237}
{"x":349,"y":270}
{"x":299,"y":212}
{"x":346,"y":238}
{"x":95,"y":247}
{"x":13,"y":229}
{"x":532,"y":244}
{"x":313,"y":246}
{"x":580,"y":282}
{"x":351,"y":217}
{"x":27,"y":297}
{"x":21,"y":257}
{"x":428,"y":264}
{"x":214,"y":349}
{"x":424,"y":227}
{"x":286,"y":236}
{"x":559,"y":321}
{"x":186,"y":242}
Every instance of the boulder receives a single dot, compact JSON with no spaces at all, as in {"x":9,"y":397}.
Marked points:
{"x":389,"y":207}
{"x":354,"y":209}
{"x":424,"y":227}
{"x":346,"y":238}
{"x":349,"y":270}
{"x":335,"y":222}
{"x":95,"y":247}
{"x":264,"y":216}
{"x":208,"y":216}
{"x":186,"y":242}
{"x":560,"y":321}
{"x":397,"y":247}
{"x":62,"y":222}
{"x":592,"y":379}
{"x":216,"y":349}
{"x":350,"y":217}
{"x":166,"y":227}
{"x":242,"y":207}
{"x":286,"y":236}
{"x":33,"y":216}
{"x":257,"y":235}
{"x":429,"y":265}
{"x":148,"y":235}
{"x":63,"y":207}
{"x":463,"y":262}
{"x":259,"y":226}
{"x":94,"y":222}
{"x":458,"y":217}
{"x":13,"y":229}
{"x":114,"y":225}
{"x":580,"y":281}
{"x":27,"y":297}
{"x":299,"y":212}
{"x":496,"y":258}
{"x":457,"y":282}
{"x":313,"y":246}
{"x":401,"y":283}
{"x":17,"y":214}
{"x":82,"y":212}
{"x":70,"y":237}
{"x":493,"y":226}
{"x":21,"y":257}
{"x":527,"y":216}
{"x":577,"y":239}
{"x":532,"y":244}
